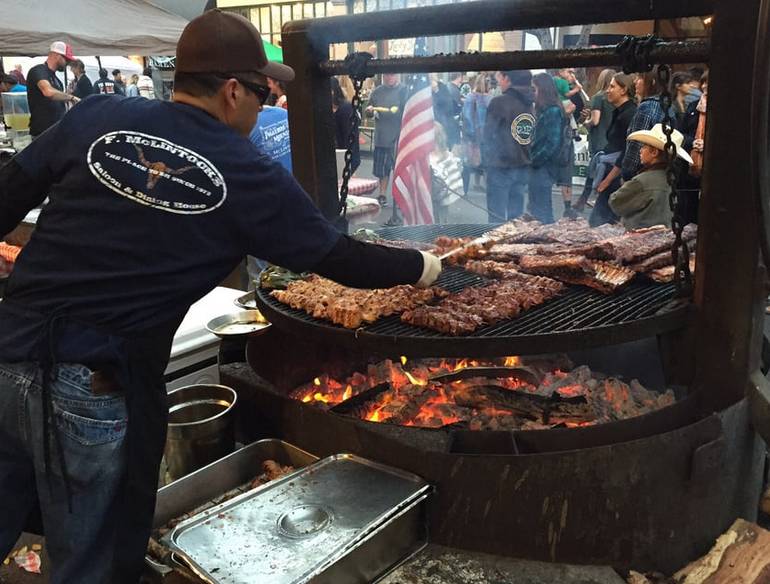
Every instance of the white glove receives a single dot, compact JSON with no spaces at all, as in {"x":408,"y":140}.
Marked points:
{"x":431,"y":268}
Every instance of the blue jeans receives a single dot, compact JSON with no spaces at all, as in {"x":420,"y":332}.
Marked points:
{"x":91,"y":431}
{"x":540,"y":203}
{"x":505,"y":192}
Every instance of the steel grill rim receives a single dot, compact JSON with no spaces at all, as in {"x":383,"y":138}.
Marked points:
{"x":577,"y":318}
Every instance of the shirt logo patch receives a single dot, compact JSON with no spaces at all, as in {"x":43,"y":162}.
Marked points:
{"x":155,"y":172}
{"x":522,"y":128}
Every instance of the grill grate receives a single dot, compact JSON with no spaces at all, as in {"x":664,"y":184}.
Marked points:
{"x":578,"y":318}
{"x":427,"y":233}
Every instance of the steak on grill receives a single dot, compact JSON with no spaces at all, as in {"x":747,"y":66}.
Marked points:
{"x":467,"y":310}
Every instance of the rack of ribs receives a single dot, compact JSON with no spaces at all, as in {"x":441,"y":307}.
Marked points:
{"x":575,"y":269}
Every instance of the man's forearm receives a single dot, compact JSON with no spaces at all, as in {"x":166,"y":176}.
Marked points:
{"x":363,"y":265}
{"x":613,"y":174}
{"x":56,"y":95}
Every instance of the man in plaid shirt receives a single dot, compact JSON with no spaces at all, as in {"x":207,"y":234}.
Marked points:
{"x":647,"y":115}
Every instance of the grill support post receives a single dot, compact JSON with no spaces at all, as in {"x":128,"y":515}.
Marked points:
{"x":312,"y":125}
{"x":729,"y":293}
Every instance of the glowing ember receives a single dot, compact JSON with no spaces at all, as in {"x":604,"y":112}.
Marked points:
{"x":571,"y":391}
{"x":410,"y":393}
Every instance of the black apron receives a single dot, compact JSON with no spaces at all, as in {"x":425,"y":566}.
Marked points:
{"x":137,"y":363}
{"x":142,"y":376}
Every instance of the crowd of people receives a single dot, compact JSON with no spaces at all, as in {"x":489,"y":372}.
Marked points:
{"x":518,"y":132}
{"x":514,"y":131}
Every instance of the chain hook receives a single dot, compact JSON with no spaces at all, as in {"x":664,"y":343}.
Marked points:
{"x":680,"y":253}
{"x":635,"y":53}
{"x":357,"y":66}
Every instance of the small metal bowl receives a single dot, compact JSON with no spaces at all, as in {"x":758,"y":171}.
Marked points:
{"x":236,"y":324}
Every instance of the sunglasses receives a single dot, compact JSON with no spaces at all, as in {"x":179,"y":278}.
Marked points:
{"x":261,"y":91}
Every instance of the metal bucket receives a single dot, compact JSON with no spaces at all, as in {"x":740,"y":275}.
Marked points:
{"x":200,"y":429}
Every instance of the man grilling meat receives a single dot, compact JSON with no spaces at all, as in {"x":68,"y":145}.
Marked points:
{"x":151,"y":205}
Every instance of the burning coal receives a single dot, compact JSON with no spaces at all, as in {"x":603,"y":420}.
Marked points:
{"x":492,"y":394}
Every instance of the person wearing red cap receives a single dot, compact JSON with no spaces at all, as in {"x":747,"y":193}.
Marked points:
{"x":45,"y":93}
{"x":152,"y":204}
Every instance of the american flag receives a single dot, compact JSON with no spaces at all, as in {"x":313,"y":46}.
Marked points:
{"x":411,"y":177}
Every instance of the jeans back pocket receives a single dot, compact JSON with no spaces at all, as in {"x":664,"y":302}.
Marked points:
{"x":89,"y":431}
{"x":87,"y":418}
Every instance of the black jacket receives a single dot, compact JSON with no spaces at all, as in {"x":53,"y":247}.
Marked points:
{"x":83,"y":87}
{"x":508,"y":129}
{"x":688,"y":124}
{"x":618,"y":130}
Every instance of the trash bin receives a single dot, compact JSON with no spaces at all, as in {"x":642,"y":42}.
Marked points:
{"x":200,"y":428}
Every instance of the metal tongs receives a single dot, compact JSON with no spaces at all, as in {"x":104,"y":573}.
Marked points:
{"x":474,"y":242}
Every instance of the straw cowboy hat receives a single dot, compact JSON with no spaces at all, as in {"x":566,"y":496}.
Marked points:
{"x":657,"y":139}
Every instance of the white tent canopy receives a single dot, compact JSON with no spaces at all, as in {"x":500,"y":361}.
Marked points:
{"x":126,"y":66}
{"x":92,"y":27}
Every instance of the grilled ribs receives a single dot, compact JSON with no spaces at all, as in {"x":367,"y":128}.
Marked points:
{"x":576,"y":269}
{"x":641,"y":244}
{"x":665,"y":274}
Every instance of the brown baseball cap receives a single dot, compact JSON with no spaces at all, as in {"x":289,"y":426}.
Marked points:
{"x":223,"y":42}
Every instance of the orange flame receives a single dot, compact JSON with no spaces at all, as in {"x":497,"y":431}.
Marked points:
{"x":415,"y":381}
{"x":414,"y":399}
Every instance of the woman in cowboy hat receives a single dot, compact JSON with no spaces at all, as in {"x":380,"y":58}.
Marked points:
{"x":643,"y":200}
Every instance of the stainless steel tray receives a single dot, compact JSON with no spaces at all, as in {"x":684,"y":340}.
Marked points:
{"x":342,"y":520}
{"x":247,"y":301}
{"x":211,"y":481}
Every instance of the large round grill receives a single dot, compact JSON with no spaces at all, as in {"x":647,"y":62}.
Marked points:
{"x":578,"y":318}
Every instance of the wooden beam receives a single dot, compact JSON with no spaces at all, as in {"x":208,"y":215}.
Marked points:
{"x":491,"y":15}
{"x":729,"y":281}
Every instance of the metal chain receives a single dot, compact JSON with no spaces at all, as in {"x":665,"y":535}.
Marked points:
{"x":635,"y":53}
{"x":357,"y":66}
{"x":680,"y":253}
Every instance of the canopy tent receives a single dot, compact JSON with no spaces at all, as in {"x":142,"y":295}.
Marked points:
{"x":92,"y":27}
{"x":126,"y":66}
